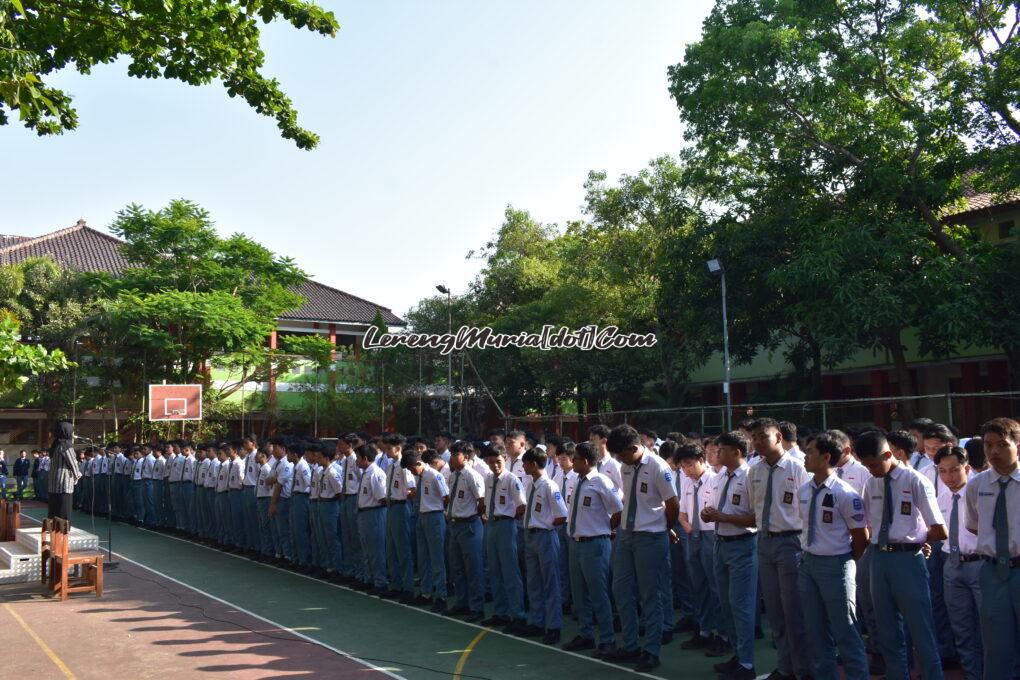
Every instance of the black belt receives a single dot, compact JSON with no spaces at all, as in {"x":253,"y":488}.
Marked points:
{"x":331,"y":498}
{"x":780,"y":534}
{"x":585,"y":539}
{"x":395,"y":502}
{"x":738,"y":537}
{"x":301,"y":493}
{"x":429,"y":512}
{"x":1013,"y":561}
{"x":972,"y":557}
{"x":500,"y":518}
{"x":177,"y":482}
{"x":900,"y":547}
{"x":697,"y":534}
{"x":535,"y":530}
{"x":374,"y":507}
{"x":249,"y":486}
{"x":456,"y":520}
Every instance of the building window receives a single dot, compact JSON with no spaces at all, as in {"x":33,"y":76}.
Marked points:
{"x":1005,"y":229}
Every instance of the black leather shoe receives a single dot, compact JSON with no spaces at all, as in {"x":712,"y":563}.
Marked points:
{"x":439,"y":606}
{"x":646,"y":663}
{"x":459,"y":610}
{"x":552,"y":636}
{"x":496,"y":620}
{"x":696,"y":642}
{"x":579,"y":643}
{"x":717,"y":647}
{"x":727,"y":666}
{"x":475,"y":617}
{"x":530,"y":630}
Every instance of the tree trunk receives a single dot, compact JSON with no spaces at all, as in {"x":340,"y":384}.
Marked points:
{"x":903,"y":387}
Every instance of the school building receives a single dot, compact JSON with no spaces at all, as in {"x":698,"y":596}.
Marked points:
{"x":327,"y":311}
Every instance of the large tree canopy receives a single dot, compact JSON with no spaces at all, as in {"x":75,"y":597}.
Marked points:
{"x":194,"y":41}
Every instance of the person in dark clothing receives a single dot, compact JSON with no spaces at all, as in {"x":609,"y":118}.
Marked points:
{"x":64,"y":472}
{"x":22,"y":470}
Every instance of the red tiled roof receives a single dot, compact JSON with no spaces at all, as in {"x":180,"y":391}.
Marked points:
{"x":85,"y":249}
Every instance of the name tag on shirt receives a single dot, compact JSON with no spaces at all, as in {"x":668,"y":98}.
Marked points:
{"x":538,"y":507}
{"x":788,"y":498}
{"x":736,"y":499}
{"x":502,"y":500}
{"x":905,"y":508}
{"x":827,"y":516}
{"x":644,"y":487}
{"x":586,"y":502}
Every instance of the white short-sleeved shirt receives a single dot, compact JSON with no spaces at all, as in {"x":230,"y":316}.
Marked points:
{"x":796,"y":454}
{"x":188,"y":468}
{"x":914,"y":507}
{"x":982,"y":494}
{"x":648,"y":484}
{"x":433,"y":490}
{"x":302,"y":477}
{"x":967,"y":540}
{"x":855,"y":474}
{"x":544,"y":504}
{"x":136,"y":470}
{"x":481,"y":467}
{"x":592,"y":506}
{"x":158,"y":468}
{"x":787,"y":479}
{"x":351,"y":475}
{"x":223,"y":476}
{"x":556,"y":474}
{"x":332,"y":481}
{"x":610,"y":467}
{"x":838,"y":509}
{"x":177,"y":469}
{"x":704,"y":485}
{"x":235,"y":474}
{"x":213,"y":474}
{"x":372,"y":487}
{"x":118,"y":463}
{"x":921,"y":462}
{"x":383,"y":461}
{"x":737,"y":500}
{"x":466,"y":489}
{"x":399,"y":483}
{"x":251,"y":469}
{"x":263,"y":489}
{"x":203,"y":469}
{"x":509,"y":495}
{"x":285,"y":477}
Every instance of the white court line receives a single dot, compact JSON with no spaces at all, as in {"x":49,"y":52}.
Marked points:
{"x":252,"y":614}
{"x":414,"y":609}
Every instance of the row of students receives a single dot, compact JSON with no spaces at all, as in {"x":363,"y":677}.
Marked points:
{"x":507,"y":517}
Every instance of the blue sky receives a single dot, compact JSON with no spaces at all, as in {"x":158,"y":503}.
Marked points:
{"x":434,"y":116}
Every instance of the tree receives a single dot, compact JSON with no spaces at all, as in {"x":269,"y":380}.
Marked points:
{"x":18,"y":360}
{"x":194,"y":41}
{"x":883,"y":99}
{"x":192,"y":298}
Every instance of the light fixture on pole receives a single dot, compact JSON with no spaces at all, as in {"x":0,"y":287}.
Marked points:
{"x":715,"y":267}
{"x":449,"y":357}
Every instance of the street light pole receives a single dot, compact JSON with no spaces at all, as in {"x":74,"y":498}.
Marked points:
{"x":449,"y":359}
{"x":715,"y":267}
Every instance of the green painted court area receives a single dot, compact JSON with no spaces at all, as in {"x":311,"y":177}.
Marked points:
{"x":405,"y":641}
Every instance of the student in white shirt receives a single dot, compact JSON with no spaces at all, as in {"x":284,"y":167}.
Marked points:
{"x":835,"y":532}
{"x":544,"y":510}
{"x":263,"y":497}
{"x":905,"y":521}
{"x":560,"y":470}
{"x":467,"y":493}
{"x":504,"y":504}
{"x":399,"y":485}
{"x":736,"y":553}
{"x":790,"y":445}
{"x":650,"y":509}
{"x":697,"y":495}
{"x":279,"y":508}
{"x":598,"y":435}
{"x":300,"y":505}
{"x":593,"y":505}
{"x":962,"y":569}
{"x":430,"y":495}
{"x":372,"y":518}
{"x":774,"y":484}
{"x":993,"y":515}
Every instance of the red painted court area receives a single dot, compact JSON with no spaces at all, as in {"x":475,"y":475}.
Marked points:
{"x":146,"y":626}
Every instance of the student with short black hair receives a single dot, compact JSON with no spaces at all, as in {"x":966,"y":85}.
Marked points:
{"x":467,"y":493}
{"x":903,"y":445}
{"x":430,"y":495}
{"x":372,"y":518}
{"x":504,"y":504}
{"x":400,"y":485}
{"x":544,"y":510}
{"x":650,"y":507}
{"x":594,"y":506}
{"x":736,"y":553}
{"x":836,"y":532}
{"x":905,"y":520}
{"x":993,"y":514}
{"x":697,"y":495}
{"x":962,"y":567}
{"x":598,"y":436}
